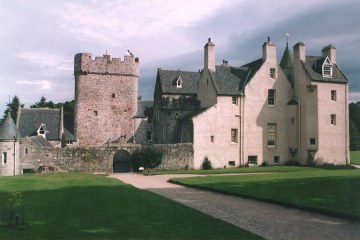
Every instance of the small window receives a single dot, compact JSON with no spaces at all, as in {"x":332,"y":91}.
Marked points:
{"x":333,"y":119}
{"x":150,"y":118}
{"x":96,"y":113}
{"x":234,"y":100}
{"x":234,"y":135}
{"x":333,"y":95}
{"x":212,"y":139}
{"x":148,"y":136}
{"x":272,"y":72}
{"x":327,"y":70}
{"x":252,"y":160}
{"x":271,"y":97}
{"x":271,"y":132}
{"x":231,"y":163}
{"x":312,"y":141}
{"x":26,"y":151}
{"x":113,"y":95}
{"x":179,"y":82}
{"x":4,"y":157}
{"x":276,"y":159}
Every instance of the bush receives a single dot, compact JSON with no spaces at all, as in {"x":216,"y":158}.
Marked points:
{"x":292,"y":163}
{"x":206,"y":165}
{"x":147,"y":157}
{"x":264,"y":164}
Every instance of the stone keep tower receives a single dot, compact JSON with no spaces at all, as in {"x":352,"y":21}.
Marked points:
{"x":105,"y":98}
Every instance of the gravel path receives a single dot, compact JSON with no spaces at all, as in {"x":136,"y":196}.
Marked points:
{"x":270,"y":221}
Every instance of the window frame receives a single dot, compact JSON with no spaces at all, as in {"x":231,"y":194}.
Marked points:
{"x":333,"y":119}
{"x":234,"y":135}
{"x":276,"y":159}
{"x":327,"y":68}
{"x":4,"y":158}
{"x":272,"y":73}
{"x":252,"y":159}
{"x":147,"y":136}
{"x":333,"y":95}
{"x":234,"y":100}
{"x":271,"y":98}
{"x":271,"y":135}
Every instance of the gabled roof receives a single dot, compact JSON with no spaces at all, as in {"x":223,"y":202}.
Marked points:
{"x":8,"y":129}
{"x":142,"y":105}
{"x":249,"y":70}
{"x":313,"y":67}
{"x":31,"y":119}
{"x":168,"y":80}
{"x":228,"y":80}
{"x":40,"y":141}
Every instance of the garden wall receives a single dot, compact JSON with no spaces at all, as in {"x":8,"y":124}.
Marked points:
{"x":100,"y":159}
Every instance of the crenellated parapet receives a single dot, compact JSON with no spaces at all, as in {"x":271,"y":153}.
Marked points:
{"x":105,"y":65}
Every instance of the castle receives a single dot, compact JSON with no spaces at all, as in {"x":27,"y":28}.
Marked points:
{"x":262,"y":112}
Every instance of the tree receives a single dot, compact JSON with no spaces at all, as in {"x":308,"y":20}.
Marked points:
{"x":354,"y":125}
{"x":13,"y":108}
{"x":43,"y":104}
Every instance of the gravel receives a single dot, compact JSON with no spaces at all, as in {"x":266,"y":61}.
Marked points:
{"x":268,"y":220}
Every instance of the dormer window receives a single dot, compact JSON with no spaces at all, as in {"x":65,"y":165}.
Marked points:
{"x":42,"y":130}
{"x":327,"y":68}
{"x":179,"y":82}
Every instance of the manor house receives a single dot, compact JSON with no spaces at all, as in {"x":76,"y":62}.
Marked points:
{"x":262,"y":112}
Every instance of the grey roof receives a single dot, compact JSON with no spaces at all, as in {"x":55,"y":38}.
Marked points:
{"x":248,"y":70}
{"x":142,"y":105}
{"x":69,"y":136}
{"x":31,"y":119}
{"x":8,"y":129}
{"x":40,"y":141}
{"x":168,"y":81}
{"x":228,"y":80}
{"x":313,"y":67}
{"x":286,"y":60}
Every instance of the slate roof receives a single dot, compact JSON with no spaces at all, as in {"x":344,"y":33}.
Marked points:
{"x":168,"y":81}
{"x":40,"y":141}
{"x":286,"y":60}
{"x":313,"y":67}
{"x":142,"y":105}
{"x":228,"y":80}
{"x":8,"y":129}
{"x":31,"y":119}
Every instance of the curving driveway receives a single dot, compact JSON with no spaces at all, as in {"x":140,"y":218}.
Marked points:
{"x":268,"y":220}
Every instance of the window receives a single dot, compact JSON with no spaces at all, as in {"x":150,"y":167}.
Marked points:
{"x":252,"y":160}
{"x":276,"y":159}
{"x":96,"y":113}
{"x":333,"y":95}
{"x":312,"y":141}
{"x":113,"y":95}
{"x":271,"y":130}
{"x":271,"y":97}
{"x":4,"y":157}
{"x":179,"y":82}
{"x":212,"y":139}
{"x":150,"y":118}
{"x":333,"y":119}
{"x":234,"y":100}
{"x":26,"y":151}
{"x":234,"y":133}
{"x":148,"y":136}
{"x":272,"y":72}
{"x":327,"y":68}
{"x":231,"y":163}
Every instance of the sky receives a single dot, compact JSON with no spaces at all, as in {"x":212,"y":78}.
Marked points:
{"x":39,"y":39}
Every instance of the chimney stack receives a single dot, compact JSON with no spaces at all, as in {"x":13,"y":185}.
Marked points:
{"x":209,"y":55}
{"x":330,"y":52}
{"x":299,"y":51}
{"x":269,"y":50}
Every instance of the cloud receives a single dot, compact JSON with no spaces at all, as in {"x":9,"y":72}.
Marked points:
{"x":45,"y":60}
{"x":43,"y":84}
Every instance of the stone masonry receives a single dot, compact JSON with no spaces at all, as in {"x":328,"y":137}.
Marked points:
{"x":105,"y":98}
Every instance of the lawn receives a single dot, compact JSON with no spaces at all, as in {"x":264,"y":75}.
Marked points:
{"x":79,"y":206}
{"x":333,"y":192}
{"x":355,"y":157}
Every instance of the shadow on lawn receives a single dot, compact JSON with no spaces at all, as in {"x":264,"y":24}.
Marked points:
{"x":336,"y":196}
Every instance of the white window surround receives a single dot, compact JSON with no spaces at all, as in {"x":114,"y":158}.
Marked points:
{"x":327,"y":68}
{"x":271,"y":135}
{"x":42,"y":131}
{"x":4,"y":158}
{"x":271,"y":100}
{"x":179,"y":82}
{"x":234,"y":135}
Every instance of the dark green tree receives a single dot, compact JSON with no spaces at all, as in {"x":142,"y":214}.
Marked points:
{"x":12,"y":107}
{"x":43,"y":104}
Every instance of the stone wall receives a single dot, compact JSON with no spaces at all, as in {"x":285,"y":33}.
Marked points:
{"x":105,"y":98}
{"x":100,"y":159}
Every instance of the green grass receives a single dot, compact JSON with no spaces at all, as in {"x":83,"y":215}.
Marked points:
{"x":334,"y":192}
{"x":232,"y":170}
{"x":79,"y":206}
{"x":355,"y":157}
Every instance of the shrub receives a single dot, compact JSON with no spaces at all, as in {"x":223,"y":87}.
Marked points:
{"x":292,"y":163}
{"x":148,"y":157}
{"x":264,"y":164}
{"x":206,"y":165}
